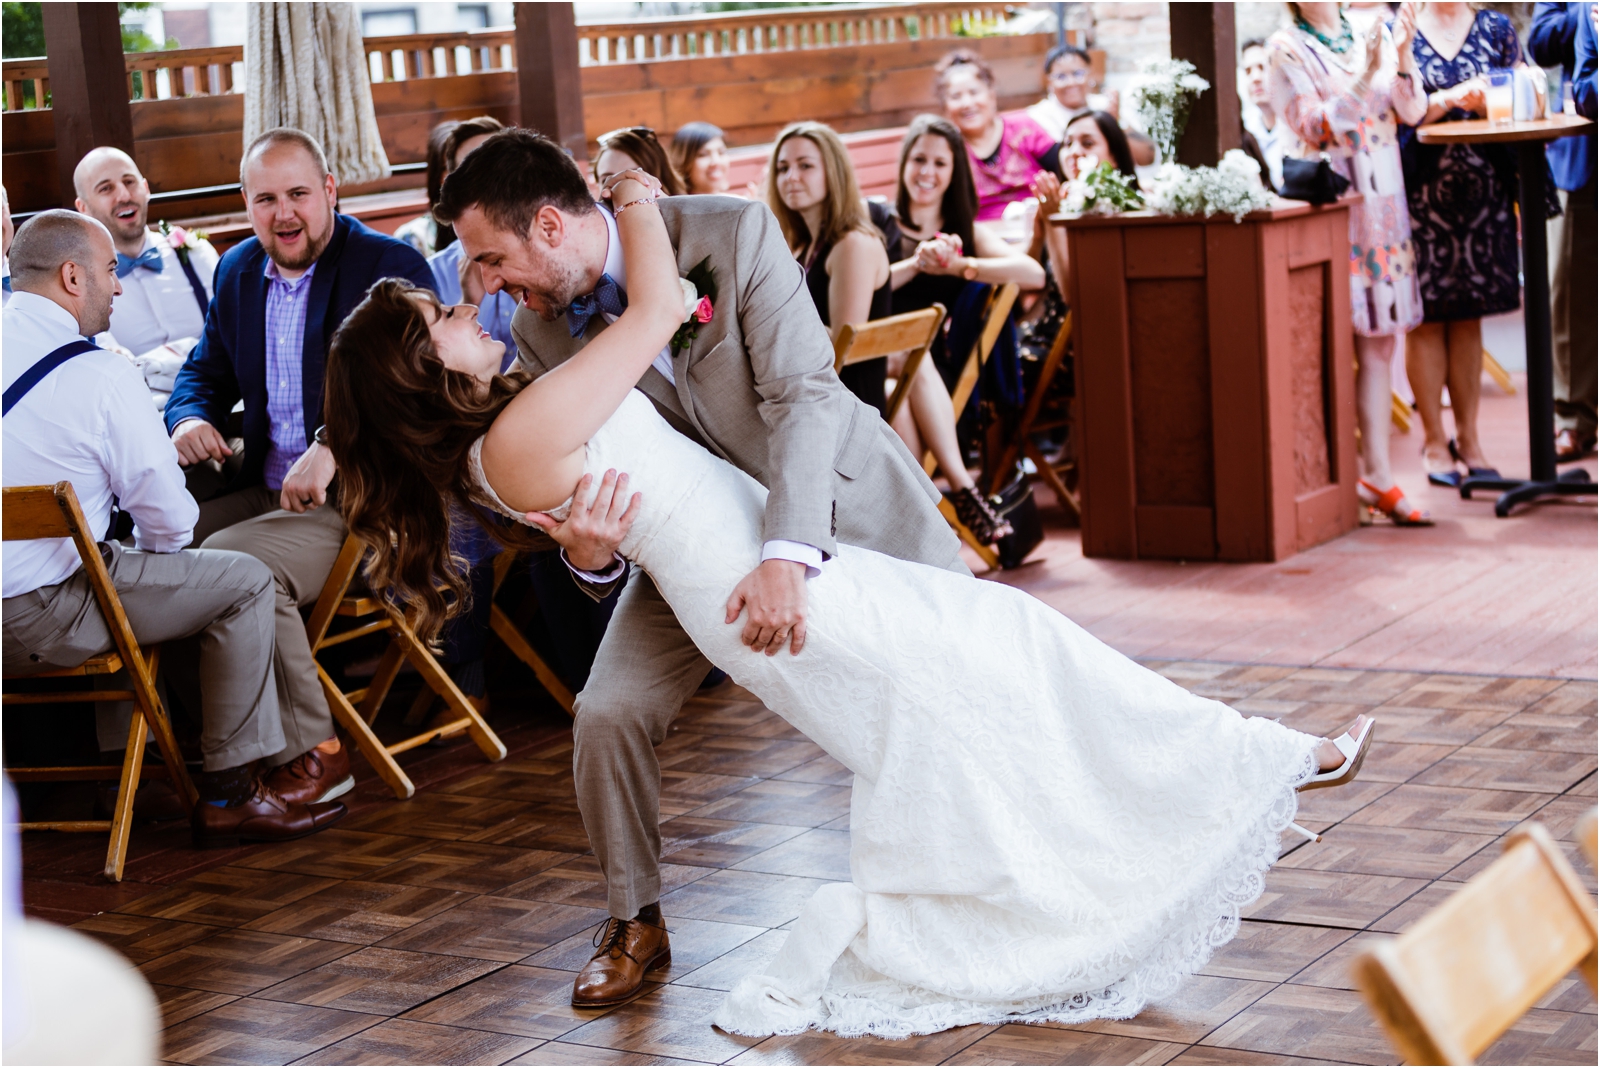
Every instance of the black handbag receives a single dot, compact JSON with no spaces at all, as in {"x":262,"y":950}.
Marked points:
{"x":1313,"y":180}
{"x":1015,"y":503}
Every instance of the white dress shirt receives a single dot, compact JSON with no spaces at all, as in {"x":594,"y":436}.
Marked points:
{"x":157,"y":309}
{"x":89,"y":422}
{"x":1275,"y":143}
{"x":799,"y":552}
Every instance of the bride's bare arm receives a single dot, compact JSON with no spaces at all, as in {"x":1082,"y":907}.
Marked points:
{"x":534,"y":452}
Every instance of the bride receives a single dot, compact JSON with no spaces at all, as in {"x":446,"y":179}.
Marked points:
{"x":1041,"y":829}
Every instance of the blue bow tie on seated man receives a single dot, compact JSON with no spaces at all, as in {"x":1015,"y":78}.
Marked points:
{"x":607,"y":299}
{"x":150,"y":259}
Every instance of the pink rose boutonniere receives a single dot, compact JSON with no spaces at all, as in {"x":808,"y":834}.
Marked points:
{"x":181,"y":241}
{"x":699,"y":303}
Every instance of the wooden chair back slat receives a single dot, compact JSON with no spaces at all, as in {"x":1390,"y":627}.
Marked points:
{"x":1585,"y":834}
{"x":912,"y":333}
{"x":1450,"y":986}
{"x":28,"y":513}
{"x":858,"y":342}
{"x":994,"y":319}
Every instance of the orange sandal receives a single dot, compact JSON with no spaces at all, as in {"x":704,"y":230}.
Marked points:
{"x":1388,"y":502}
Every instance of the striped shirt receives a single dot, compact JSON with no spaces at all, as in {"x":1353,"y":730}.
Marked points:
{"x":285,"y":338}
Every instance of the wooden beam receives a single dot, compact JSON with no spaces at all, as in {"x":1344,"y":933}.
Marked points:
{"x":88,"y":85}
{"x":1204,"y":35}
{"x":549,"y":87}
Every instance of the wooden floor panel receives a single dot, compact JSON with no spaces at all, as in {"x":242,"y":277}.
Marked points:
{"x":448,"y":928}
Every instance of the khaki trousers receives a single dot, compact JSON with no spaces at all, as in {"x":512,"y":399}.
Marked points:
{"x":223,"y":599}
{"x":1572,"y":319}
{"x":299,"y":550}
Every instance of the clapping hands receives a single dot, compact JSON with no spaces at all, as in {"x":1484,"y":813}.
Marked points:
{"x":938,"y":254}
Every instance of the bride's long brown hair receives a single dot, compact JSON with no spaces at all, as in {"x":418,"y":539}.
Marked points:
{"x":400,"y":426}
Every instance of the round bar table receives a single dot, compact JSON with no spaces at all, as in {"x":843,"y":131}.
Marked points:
{"x":1530,"y":137}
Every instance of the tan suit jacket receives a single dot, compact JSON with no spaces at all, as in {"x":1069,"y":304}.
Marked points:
{"x":757,"y":387}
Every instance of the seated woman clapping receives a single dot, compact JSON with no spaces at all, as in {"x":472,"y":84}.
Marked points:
{"x":938,"y":249}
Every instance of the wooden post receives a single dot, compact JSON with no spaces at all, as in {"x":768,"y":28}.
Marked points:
{"x":88,"y":85}
{"x":549,"y":88}
{"x":1204,"y":35}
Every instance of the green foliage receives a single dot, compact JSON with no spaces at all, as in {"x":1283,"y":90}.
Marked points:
{"x":21,"y":30}
{"x":1105,"y":191}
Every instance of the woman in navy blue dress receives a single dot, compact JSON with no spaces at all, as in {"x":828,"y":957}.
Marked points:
{"x":1464,"y":227}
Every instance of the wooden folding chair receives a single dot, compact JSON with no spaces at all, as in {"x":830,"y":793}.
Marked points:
{"x":995,"y":311}
{"x":1450,"y":986}
{"x":34,"y":512}
{"x":912,"y":333}
{"x":1022,"y":443}
{"x":404,"y":645}
{"x":1586,"y":837}
{"x":508,"y":633}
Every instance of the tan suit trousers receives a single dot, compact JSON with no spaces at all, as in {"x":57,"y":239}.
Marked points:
{"x":299,"y":549}
{"x":225,"y":600}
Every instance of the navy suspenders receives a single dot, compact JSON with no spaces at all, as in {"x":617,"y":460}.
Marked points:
{"x":194,"y":284}
{"x":36,"y":374}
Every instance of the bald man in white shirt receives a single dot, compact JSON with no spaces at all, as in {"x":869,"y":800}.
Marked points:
{"x":79,"y":414}
{"x":165,"y":291}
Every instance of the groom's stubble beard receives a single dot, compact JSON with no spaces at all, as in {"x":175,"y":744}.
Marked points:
{"x":564,"y":281}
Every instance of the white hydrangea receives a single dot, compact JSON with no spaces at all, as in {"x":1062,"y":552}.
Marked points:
{"x":1233,"y":187}
{"x":1166,"y":91}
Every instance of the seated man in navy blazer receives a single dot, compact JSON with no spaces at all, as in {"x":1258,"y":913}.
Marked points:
{"x":279,"y":297}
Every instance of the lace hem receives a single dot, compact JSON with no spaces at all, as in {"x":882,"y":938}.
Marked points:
{"x":1184,"y":952}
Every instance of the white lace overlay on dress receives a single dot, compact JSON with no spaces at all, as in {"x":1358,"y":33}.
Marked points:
{"x":1041,"y":829}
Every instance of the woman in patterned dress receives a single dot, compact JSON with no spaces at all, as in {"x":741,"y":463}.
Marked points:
{"x":1462,"y":201}
{"x":1343,"y":95}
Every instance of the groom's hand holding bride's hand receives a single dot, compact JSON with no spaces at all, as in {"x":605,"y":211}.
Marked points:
{"x":775,"y":596}
{"x":593,"y":531}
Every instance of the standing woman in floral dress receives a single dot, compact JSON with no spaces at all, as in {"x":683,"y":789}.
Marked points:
{"x":1344,"y":95}
{"x":1463,"y":201}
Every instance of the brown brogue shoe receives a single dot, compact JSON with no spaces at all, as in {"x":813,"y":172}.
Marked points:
{"x":265,"y":817}
{"x":313,"y":776}
{"x":628,"y":949}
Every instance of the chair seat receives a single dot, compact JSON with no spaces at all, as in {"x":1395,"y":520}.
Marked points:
{"x":104,"y":664}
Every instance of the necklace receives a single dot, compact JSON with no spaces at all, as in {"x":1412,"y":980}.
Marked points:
{"x":1338,"y":45}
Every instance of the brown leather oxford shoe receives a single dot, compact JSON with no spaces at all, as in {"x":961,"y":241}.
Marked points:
{"x":265,"y":817}
{"x":313,"y":776}
{"x":627,"y":950}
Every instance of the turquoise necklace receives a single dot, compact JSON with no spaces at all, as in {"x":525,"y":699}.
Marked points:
{"x":1338,"y":45}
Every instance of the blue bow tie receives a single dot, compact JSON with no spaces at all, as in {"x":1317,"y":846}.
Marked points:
{"x":607,"y":297}
{"x":150,"y":259}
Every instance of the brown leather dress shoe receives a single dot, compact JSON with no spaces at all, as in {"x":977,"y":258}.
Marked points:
{"x":313,"y":776}
{"x":265,"y":817}
{"x":627,"y":950}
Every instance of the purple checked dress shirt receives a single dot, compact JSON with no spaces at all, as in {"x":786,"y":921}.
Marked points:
{"x":285,"y":338}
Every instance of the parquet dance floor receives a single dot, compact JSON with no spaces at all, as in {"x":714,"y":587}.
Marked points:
{"x":447,"y":929}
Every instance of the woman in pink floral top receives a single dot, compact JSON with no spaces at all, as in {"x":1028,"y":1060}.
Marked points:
{"x":1006,"y":151}
{"x":1342,"y":94}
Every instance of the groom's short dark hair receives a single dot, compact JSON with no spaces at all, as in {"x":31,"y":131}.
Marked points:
{"x":510,"y":177}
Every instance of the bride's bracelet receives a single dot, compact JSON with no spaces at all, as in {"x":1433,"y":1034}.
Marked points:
{"x":617,"y":213}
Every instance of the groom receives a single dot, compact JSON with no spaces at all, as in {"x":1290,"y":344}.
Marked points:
{"x":756,"y":386}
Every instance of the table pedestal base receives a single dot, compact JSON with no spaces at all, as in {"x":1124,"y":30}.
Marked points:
{"x":1521,"y":491}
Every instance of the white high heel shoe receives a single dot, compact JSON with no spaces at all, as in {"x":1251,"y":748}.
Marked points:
{"x":1354,"y":750}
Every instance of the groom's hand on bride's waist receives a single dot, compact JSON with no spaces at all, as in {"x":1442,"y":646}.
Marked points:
{"x":773,"y":598}
{"x":593,"y":531}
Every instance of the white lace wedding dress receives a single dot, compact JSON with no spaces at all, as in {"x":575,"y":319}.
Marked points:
{"x":1040,"y":828}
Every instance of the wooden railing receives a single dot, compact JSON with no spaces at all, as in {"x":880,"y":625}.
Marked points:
{"x":189,"y":72}
{"x":439,"y":55}
{"x":739,"y":33}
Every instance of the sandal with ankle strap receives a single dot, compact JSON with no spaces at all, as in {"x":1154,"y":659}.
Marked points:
{"x":1388,"y":503}
{"x":1354,"y":749}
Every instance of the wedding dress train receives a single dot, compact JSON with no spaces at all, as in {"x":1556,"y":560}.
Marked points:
{"x":1040,"y":829}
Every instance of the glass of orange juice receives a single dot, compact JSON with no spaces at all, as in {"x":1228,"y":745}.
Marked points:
{"x":1500,"y":97}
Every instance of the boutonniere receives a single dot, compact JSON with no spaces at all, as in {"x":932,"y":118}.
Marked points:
{"x":699,"y":303}
{"x":180,"y":240}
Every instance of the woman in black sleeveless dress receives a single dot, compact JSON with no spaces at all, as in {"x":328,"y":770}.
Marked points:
{"x":938,"y":250}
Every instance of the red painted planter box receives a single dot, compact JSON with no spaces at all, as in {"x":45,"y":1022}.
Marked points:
{"x":1216,"y":390}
